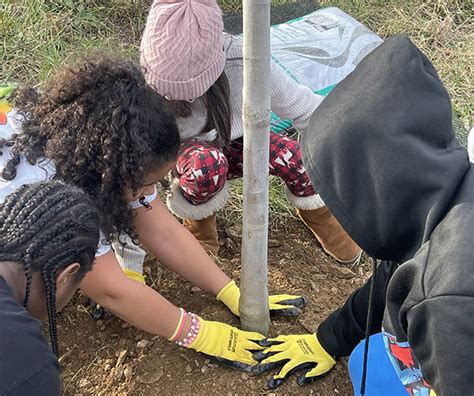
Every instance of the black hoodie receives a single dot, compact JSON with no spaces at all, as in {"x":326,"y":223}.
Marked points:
{"x":382,"y":153}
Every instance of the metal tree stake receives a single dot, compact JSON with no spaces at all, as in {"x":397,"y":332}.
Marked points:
{"x":254,"y":313}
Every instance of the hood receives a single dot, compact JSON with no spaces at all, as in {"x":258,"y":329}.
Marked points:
{"x":381,"y":151}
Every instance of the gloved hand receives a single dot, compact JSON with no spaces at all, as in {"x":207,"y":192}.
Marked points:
{"x":229,"y":345}
{"x":294,"y":353}
{"x":280,"y":304}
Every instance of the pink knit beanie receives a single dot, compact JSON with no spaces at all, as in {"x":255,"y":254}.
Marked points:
{"x":182,"y":47}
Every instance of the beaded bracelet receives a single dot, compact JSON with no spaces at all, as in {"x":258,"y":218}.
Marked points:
{"x":193,"y":332}
{"x":180,"y":325}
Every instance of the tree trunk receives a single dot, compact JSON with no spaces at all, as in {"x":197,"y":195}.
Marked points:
{"x":254,"y":311}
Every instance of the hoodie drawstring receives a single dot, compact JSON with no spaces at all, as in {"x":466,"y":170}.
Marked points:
{"x":368,"y":326}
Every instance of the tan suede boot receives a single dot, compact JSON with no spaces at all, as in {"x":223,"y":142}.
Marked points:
{"x":205,"y":231}
{"x":330,"y":234}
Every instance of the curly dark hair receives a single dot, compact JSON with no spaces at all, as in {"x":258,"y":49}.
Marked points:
{"x":104,"y":129}
{"x":47,"y":226}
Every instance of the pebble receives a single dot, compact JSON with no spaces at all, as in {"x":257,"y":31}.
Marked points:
{"x":204,"y":369}
{"x":195,"y":289}
{"x":151,"y":377}
{"x":143,"y":344}
{"x":121,"y":357}
{"x":244,"y":376}
{"x":119,"y":372}
{"x":314,"y":287}
{"x":334,"y":290}
{"x":126,"y":325}
{"x":343,"y":272}
{"x":188,"y":368}
{"x":128,"y":372}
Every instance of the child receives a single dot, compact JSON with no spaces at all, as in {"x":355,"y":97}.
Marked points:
{"x":189,"y":61}
{"x":99,"y":126}
{"x":48,"y":237}
{"x":397,"y":151}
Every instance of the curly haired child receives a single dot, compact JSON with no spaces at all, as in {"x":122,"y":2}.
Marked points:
{"x":99,"y":126}
{"x":189,"y":61}
{"x":48,"y":237}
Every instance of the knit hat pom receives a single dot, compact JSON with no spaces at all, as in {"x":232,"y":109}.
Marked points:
{"x":182,"y":47}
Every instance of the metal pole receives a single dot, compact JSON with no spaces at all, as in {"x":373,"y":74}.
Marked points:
{"x":254,"y":313}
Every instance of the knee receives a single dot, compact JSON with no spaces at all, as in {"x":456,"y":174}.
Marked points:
{"x":285,"y":153}
{"x":204,"y":174}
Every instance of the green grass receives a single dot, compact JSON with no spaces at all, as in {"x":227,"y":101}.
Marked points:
{"x":442,"y":29}
{"x":38,"y":35}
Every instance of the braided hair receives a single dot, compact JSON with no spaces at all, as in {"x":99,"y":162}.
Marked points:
{"x":103,"y":127}
{"x":47,"y":226}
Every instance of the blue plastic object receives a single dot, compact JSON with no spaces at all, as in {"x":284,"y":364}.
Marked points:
{"x":382,"y":380}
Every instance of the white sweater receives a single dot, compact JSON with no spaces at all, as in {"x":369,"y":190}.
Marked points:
{"x":289,"y":100}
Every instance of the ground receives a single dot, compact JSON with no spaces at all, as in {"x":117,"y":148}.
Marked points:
{"x":109,"y":357}
{"x":38,"y":35}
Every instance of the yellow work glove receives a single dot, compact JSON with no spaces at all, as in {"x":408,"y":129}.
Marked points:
{"x":294,"y":353}
{"x":280,"y":304}
{"x":134,"y":275}
{"x":229,"y":345}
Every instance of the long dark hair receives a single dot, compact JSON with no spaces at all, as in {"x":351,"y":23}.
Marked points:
{"x":46,"y":227}
{"x":219,"y":115}
{"x":104,"y":129}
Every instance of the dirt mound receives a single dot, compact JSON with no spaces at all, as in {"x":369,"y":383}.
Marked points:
{"x":110,"y":357}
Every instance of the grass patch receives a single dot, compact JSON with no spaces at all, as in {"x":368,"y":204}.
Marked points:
{"x":443,"y":30}
{"x":279,"y":207}
{"x":38,"y":35}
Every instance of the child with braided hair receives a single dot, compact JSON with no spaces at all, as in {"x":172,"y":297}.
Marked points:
{"x":48,"y":237}
{"x":99,"y":126}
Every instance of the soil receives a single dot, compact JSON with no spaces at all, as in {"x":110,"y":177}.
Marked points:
{"x":110,"y":357}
